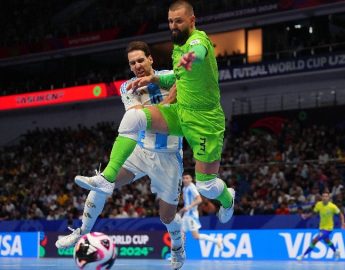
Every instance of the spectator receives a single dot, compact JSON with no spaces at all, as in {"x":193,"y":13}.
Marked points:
{"x":39,"y":155}
{"x":282,"y":209}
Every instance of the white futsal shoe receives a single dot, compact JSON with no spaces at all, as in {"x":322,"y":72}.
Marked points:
{"x":225,"y":214}
{"x":178,"y":256}
{"x":300,"y":257}
{"x":96,"y":183}
{"x":69,"y":240}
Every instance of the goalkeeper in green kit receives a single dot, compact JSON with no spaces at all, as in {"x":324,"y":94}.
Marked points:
{"x":197,"y":115}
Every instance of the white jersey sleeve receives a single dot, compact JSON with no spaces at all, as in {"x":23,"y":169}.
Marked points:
{"x":129,"y":98}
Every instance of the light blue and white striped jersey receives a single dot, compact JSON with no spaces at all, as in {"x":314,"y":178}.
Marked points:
{"x":152,"y":94}
{"x":190,"y":192}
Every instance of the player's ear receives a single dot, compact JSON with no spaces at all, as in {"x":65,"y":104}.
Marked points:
{"x":192,"y":20}
{"x":150,"y":59}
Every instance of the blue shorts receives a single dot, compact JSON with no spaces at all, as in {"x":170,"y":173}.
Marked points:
{"x":323,"y":234}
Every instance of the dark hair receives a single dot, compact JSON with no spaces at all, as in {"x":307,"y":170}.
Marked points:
{"x":325,"y":191}
{"x":182,"y":3}
{"x":138,"y":46}
{"x":188,"y":173}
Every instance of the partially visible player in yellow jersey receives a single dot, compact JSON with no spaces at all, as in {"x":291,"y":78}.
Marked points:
{"x":326,"y":210}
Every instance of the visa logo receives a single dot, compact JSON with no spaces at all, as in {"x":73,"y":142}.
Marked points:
{"x":10,"y":245}
{"x":295,"y":246}
{"x":235,"y":246}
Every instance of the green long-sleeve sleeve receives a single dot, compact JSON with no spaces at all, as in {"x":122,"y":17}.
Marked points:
{"x":167,"y":80}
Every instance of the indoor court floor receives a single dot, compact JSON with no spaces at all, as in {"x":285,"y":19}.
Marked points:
{"x":122,"y":264}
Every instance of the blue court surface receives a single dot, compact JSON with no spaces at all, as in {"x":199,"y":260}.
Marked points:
{"x":122,"y":264}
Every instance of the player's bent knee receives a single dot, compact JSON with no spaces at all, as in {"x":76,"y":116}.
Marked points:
{"x":133,"y":121}
{"x":167,"y":219}
{"x":210,"y":189}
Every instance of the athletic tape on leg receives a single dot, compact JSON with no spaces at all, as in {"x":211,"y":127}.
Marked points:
{"x":93,"y":208}
{"x":210,"y":189}
{"x":174,"y":229}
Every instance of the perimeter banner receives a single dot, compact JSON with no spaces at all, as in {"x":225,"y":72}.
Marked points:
{"x":60,"y":96}
{"x":238,"y":245}
{"x":14,"y":245}
{"x":263,"y":245}
{"x":134,"y":245}
{"x":274,"y":68}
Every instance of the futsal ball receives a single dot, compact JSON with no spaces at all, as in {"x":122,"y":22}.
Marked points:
{"x":94,"y":251}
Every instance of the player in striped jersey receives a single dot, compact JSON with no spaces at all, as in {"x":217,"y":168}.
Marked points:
{"x":157,"y":155}
{"x":190,"y":219}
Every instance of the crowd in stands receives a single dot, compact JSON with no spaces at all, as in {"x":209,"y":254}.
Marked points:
{"x":112,"y":65}
{"x":23,"y":24}
{"x":29,"y":21}
{"x":83,"y":71}
{"x":37,"y":175}
{"x":285,"y":173}
{"x":273,"y":174}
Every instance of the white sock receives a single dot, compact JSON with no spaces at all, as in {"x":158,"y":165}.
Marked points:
{"x":208,"y":238}
{"x":174,"y":229}
{"x":93,"y":208}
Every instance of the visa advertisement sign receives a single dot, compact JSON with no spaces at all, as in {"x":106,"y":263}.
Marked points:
{"x":263,"y":245}
{"x":19,"y":244}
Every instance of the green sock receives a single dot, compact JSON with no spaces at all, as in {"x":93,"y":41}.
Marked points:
{"x":204,"y":176}
{"x":225,"y":197}
{"x":122,"y":148}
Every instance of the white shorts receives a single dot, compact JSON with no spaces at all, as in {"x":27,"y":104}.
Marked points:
{"x":164,"y":169}
{"x":190,"y":223}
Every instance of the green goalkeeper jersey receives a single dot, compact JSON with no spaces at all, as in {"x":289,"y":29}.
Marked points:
{"x":197,"y":89}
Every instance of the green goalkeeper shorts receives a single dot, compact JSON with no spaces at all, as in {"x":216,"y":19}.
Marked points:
{"x":203,"y":130}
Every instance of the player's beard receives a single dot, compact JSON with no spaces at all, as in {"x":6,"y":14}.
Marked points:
{"x":179,"y":37}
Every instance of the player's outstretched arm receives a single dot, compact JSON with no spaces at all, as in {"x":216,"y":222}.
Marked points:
{"x":187,"y":60}
{"x":196,"y":54}
{"x":142,"y":82}
{"x":196,"y":202}
{"x":165,"y":80}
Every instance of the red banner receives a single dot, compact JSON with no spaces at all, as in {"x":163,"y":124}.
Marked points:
{"x":59,"y":96}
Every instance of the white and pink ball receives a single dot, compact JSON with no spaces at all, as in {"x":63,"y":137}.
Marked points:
{"x":95,"y":251}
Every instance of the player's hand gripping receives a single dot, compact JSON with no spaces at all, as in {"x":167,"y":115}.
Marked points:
{"x":187,"y":60}
{"x":139,"y":82}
